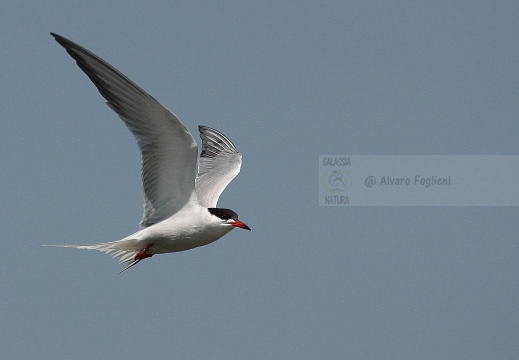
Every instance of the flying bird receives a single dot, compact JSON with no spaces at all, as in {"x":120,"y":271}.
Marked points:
{"x":180,"y":210}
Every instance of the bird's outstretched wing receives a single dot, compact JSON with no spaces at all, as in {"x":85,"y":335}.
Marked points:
{"x":219,"y":163}
{"x":168,"y":150}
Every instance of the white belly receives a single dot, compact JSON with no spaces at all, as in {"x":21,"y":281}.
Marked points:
{"x":179,"y":234}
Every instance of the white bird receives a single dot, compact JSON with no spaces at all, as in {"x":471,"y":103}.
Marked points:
{"x":180,"y":211}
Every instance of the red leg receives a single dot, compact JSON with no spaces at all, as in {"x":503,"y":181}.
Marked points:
{"x":144,"y":253}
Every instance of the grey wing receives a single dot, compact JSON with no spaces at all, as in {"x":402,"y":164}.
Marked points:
{"x":219,"y":163}
{"x":168,"y":151}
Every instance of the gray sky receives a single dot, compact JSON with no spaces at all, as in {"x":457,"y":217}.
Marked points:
{"x":286,"y":82}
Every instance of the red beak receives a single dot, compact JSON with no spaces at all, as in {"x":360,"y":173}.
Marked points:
{"x":239,"y":224}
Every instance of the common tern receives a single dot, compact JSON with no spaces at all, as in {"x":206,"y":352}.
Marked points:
{"x":180,"y":210}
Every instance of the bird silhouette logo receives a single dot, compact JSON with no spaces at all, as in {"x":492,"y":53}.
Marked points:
{"x":336,"y":181}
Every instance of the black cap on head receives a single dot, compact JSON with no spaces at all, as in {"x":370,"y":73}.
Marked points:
{"x":226,"y":214}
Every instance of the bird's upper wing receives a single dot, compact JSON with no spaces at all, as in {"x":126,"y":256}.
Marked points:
{"x":168,"y":150}
{"x":219,"y":163}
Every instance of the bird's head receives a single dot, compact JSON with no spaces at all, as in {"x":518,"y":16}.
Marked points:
{"x":228,"y":217}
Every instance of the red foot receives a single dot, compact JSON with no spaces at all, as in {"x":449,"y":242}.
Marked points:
{"x":144,"y":253}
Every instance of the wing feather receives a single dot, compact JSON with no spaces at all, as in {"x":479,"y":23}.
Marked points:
{"x":168,"y":151}
{"x":218,"y":165}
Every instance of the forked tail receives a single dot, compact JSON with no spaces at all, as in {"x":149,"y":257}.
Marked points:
{"x":124,"y":250}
